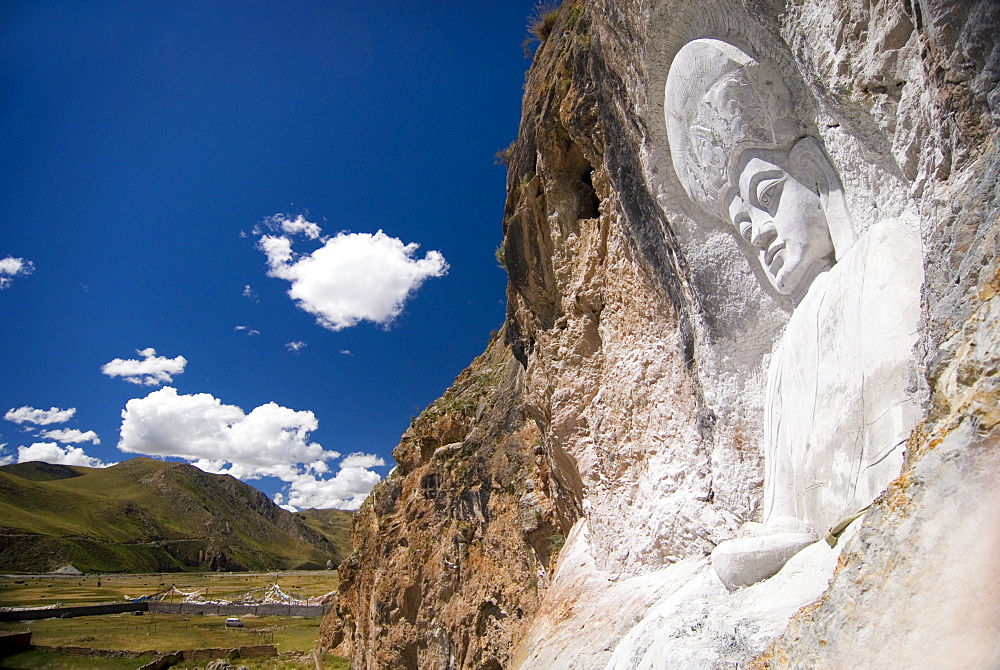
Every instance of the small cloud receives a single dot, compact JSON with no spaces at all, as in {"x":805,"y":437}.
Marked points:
{"x":353,"y":277}
{"x":248,"y":292}
{"x":11,"y":267}
{"x":50,"y":452}
{"x":319,"y":467}
{"x":346,"y":352}
{"x":5,"y":459}
{"x":361,"y":460}
{"x":39,"y":417}
{"x":297,"y":226}
{"x":247,"y":329}
{"x":296,"y":346}
{"x":70,"y":436}
{"x":153,"y":370}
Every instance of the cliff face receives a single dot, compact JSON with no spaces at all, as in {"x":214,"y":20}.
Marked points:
{"x":627,"y":397}
{"x":455,"y":548}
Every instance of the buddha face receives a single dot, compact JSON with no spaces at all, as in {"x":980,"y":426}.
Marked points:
{"x":783,"y":220}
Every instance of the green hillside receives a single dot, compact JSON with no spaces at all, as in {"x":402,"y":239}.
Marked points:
{"x":144,"y":515}
{"x":335,"y":524}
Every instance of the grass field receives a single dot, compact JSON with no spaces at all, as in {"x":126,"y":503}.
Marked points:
{"x":170,"y":632}
{"x":24,"y":590}
{"x":305,"y":662}
{"x":44,"y":660}
{"x":163,"y":632}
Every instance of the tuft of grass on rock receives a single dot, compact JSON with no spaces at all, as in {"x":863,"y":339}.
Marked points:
{"x":540,"y":25}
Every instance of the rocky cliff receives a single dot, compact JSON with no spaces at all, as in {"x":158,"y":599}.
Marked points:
{"x":557,"y":507}
{"x":456,"y":546}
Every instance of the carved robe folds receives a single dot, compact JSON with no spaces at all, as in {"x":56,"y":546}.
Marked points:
{"x":840,"y":403}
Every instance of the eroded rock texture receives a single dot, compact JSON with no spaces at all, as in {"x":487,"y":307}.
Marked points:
{"x":454,"y":549}
{"x":625,"y":398}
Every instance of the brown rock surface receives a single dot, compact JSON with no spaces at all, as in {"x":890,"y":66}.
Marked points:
{"x":454,"y":547}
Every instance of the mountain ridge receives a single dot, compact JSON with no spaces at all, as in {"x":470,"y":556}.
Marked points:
{"x":144,"y":515}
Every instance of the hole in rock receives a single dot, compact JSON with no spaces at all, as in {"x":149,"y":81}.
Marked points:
{"x":588,"y":202}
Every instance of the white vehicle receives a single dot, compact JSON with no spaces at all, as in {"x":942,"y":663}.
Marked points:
{"x":234,"y":622}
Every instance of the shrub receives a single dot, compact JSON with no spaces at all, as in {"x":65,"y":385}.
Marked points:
{"x":540,"y":25}
{"x":503,"y":156}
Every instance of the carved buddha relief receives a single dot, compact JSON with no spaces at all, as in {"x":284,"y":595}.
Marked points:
{"x":839,"y":406}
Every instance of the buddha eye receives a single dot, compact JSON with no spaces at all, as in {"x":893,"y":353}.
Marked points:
{"x":769,"y":192}
{"x":745,"y":227}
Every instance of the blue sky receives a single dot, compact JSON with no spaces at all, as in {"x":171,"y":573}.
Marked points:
{"x":161,"y":169}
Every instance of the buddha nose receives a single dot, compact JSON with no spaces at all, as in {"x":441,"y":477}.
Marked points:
{"x":763,"y":235}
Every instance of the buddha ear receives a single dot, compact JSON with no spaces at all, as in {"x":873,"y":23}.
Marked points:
{"x":810,"y":164}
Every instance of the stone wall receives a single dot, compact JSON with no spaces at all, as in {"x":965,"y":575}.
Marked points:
{"x":31,"y":614}
{"x":27,"y":614}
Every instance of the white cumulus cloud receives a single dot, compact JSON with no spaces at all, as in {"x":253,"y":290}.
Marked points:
{"x":11,"y":267}
{"x":152,"y":370}
{"x":353,"y":277}
{"x":345,"y":490}
{"x":70,"y":436}
{"x":360,"y":460}
{"x":39,"y":417}
{"x":296,"y":346}
{"x":50,"y":452}
{"x":247,"y":329}
{"x":268,"y":441}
